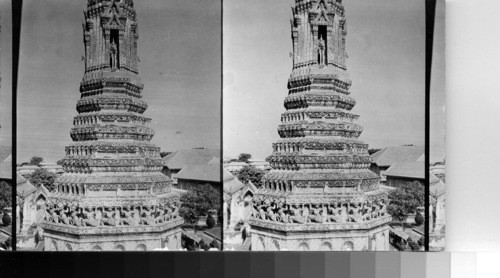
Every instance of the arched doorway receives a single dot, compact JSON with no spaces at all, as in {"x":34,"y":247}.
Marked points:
{"x":40,"y":208}
{"x":303,"y":247}
{"x":119,"y":247}
{"x":141,"y":247}
{"x":326,"y":246}
{"x":348,"y":246}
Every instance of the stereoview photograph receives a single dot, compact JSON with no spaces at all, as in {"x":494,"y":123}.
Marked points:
{"x":131,"y":161}
{"x":343,"y":84}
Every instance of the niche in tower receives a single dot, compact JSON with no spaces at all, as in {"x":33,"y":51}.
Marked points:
{"x":114,"y":40}
{"x":322,"y":53}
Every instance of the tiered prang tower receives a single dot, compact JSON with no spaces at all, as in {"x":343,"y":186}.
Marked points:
{"x":112,"y":195}
{"x":320,"y":194}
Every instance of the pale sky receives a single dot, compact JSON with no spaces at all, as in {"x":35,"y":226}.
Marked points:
{"x":438,"y":88}
{"x":179,"y":47}
{"x":386,"y":48}
{"x":6,"y":73}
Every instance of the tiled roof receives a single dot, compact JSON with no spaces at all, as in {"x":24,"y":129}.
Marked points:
{"x":414,"y":170}
{"x":24,"y":187}
{"x":6,"y":168}
{"x":181,"y":158}
{"x":231,"y":183}
{"x":391,"y":155}
{"x":437,"y":187}
{"x":214,"y":160}
{"x":207,"y":172}
{"x":5,"y":152}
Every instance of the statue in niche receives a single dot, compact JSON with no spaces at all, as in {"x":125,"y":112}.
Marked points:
{"x":343,"y":217}
{"x":317,"y":214}
{"x":296,"y":216}
{"x":383,"y":208}
{"x":127,"y":216}
{"x":356,"y":215}
{"x":283,"y":217}
{"x":255,"y":212}
{"x":159,"y":214}
{"x":148,"y":218}
{"x":331,"y":214}
{"x":270,"y":214}
{"x":108,"y":218}
{"x":113,"y":54}
{"x":136,"y":218}
{"x":262,"y":213}
{"x":75,"y":220}
{"x":64,"y":217}
{"x":175,"y":212}
{"x":90,"y":219}
{"x":54,"y":215}
{"x":305,"y":213}
{"x":321,"y":51}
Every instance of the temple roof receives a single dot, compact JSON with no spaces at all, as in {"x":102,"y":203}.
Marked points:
{"x":231,"y":183}
{"x":181,"y":158}
{"x":24,"y":187}
{"x":5,"y":162}
{"x":414,"y":170}
{"x":5,"y":152}
{"x":207,"y":172}
{"x":437,"y":187}
{"x":393,"y":154}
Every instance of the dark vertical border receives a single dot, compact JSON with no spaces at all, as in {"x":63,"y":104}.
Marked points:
{"x":430,"y":10}
{"x":17,"y":6}
{"x":222,"y":122}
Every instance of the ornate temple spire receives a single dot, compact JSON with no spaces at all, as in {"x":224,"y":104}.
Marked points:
{"x":320,"y":190}
{"x":112,"y":195}
{"x":110,"y":36}
{"x":318,"y":34}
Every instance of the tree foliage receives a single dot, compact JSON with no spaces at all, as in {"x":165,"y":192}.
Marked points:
{"x":405,"y":199}
{"x":36,"y":160}
{"x":60,"y":162}
{"x":199,"y":202}
{"x":251,"y":173}
{"x":6,"y":220}
{"x":244,"y":157}
{"x":5,"y":195}
{"x":215,"y":244}
{"x":42,"y":176}
{"x":210,"y":221}
{"x":419,"y":219}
